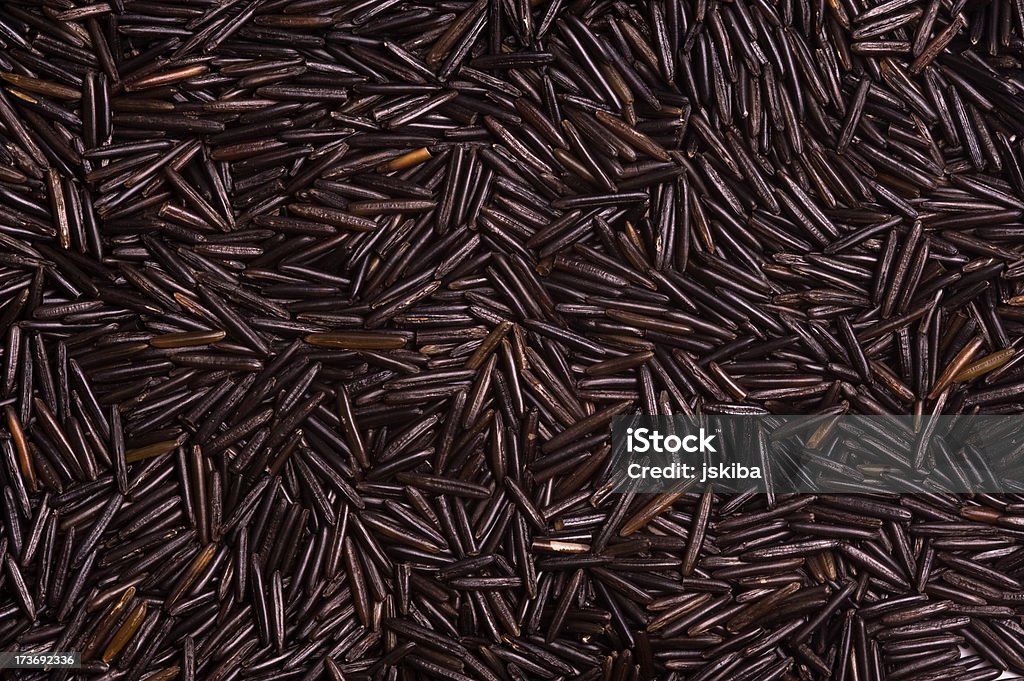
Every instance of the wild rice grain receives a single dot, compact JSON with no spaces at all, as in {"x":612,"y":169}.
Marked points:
{"x":315,"y":316}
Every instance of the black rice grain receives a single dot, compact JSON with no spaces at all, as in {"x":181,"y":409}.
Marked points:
{"x":315,"y":316}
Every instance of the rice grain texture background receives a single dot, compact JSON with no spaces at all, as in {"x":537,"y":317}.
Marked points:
{"x":314,"y":315}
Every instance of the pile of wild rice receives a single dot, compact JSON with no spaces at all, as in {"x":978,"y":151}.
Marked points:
{"x":315,"y":314}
